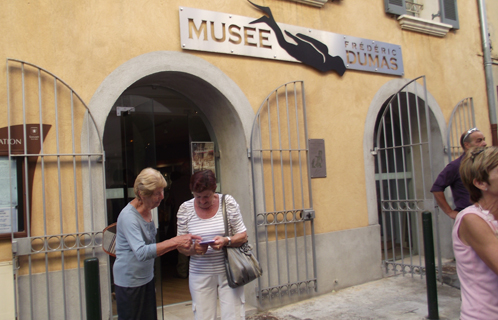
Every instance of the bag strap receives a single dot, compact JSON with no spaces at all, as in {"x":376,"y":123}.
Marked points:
{"x":224,"y":210}
{"x":109,"y":239}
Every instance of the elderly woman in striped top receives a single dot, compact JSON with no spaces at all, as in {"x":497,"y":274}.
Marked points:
{"x":203,"y":216}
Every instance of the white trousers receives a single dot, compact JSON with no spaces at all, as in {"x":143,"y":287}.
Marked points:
{"x":205,"y":290}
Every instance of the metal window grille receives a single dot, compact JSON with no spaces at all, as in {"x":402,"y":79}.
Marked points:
{"x":284,"y":215}
{"x":414,"y":8}
{"x":64,"y":185}
{"x":404,"y":177}
{"x":462,"y":119}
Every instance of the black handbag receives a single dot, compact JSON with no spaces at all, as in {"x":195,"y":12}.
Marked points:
{"x":241,"y":265}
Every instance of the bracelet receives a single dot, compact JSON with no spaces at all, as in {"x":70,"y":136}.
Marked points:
{"x":229,"y":241}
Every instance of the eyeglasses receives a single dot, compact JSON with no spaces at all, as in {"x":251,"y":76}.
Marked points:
{"x":469,"y":132}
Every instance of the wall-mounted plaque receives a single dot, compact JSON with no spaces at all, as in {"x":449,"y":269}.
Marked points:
{"x":318,"y":166}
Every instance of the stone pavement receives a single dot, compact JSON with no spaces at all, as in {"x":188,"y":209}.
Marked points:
{"x":393,"y":298}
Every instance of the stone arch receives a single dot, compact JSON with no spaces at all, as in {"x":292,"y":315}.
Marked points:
{"x":223,"y":103}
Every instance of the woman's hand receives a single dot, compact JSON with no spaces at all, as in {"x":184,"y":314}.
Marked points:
{"x":200,"y":249}
{"x":183,"y":243}
{"x":236,"y":241}
{"x":219,"y":242}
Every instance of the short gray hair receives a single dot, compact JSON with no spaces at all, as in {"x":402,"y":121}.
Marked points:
{"x":147,"y":181}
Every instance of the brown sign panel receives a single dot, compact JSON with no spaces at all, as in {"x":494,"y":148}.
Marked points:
{"x":23,"y":140}
{"x":17,"y":139}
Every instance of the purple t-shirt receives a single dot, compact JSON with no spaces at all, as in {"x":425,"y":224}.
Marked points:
{"x":450,"y":177}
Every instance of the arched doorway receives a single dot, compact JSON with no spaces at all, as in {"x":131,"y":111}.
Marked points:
{"x":396,"y":108}
{"x":220,"y":104}
{"x":152,"y":126}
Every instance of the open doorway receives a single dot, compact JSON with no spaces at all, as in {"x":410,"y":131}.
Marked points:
{"x":404,"y":173}
{"x":395,"y":176}
{"x":154,"y":126}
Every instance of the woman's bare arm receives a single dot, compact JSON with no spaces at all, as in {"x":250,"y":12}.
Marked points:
{"x":475,"y":232}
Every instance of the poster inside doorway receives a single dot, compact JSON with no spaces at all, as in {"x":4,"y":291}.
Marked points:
{"x":203,"y":156}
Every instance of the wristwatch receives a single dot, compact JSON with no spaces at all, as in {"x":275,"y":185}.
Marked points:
{"x":229,"y":241}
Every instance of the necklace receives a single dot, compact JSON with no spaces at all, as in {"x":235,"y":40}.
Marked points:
{"x":490,"y":217}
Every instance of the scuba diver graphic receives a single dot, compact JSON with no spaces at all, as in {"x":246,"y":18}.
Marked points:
{"x":307,"y":50}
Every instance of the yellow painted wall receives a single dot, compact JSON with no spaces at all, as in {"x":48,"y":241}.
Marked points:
{"x":7,"y":302}
{"x":82,"y":42}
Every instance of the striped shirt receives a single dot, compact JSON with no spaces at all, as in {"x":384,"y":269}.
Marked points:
{"x":189,"y":222}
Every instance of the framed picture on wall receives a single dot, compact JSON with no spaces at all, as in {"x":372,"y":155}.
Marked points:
{"x":203,"y":156}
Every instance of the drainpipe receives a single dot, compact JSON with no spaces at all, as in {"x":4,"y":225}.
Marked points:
{"x":486,"y":49}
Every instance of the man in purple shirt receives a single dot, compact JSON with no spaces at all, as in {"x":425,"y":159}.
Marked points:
{"x":450,"y":176}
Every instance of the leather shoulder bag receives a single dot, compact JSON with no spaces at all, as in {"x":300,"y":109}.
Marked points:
{"x":241,"y":265}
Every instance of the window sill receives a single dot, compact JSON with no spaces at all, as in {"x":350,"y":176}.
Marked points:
{"x":424,"y":26}
{"x":315,"y":3}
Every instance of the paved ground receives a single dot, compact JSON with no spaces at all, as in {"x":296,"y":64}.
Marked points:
{"x":394,"y":298}
{"x":391,"y":298}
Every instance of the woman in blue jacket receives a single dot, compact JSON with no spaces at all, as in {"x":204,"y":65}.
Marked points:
{"x":136,"y":249}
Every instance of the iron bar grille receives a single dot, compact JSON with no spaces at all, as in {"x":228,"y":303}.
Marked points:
{"x":283,"y":203}
{"x":62,"y":170}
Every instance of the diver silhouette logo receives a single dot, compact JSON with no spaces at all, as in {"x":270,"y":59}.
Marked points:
{"x":307,"y":50}
{"x":317,"y":160}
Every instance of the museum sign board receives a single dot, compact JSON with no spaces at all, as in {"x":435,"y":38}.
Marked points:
{"x":225,"y":33}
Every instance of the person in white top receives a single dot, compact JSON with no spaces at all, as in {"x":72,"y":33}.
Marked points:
{"x":203,"y":216}
{"x":474,"y":234}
